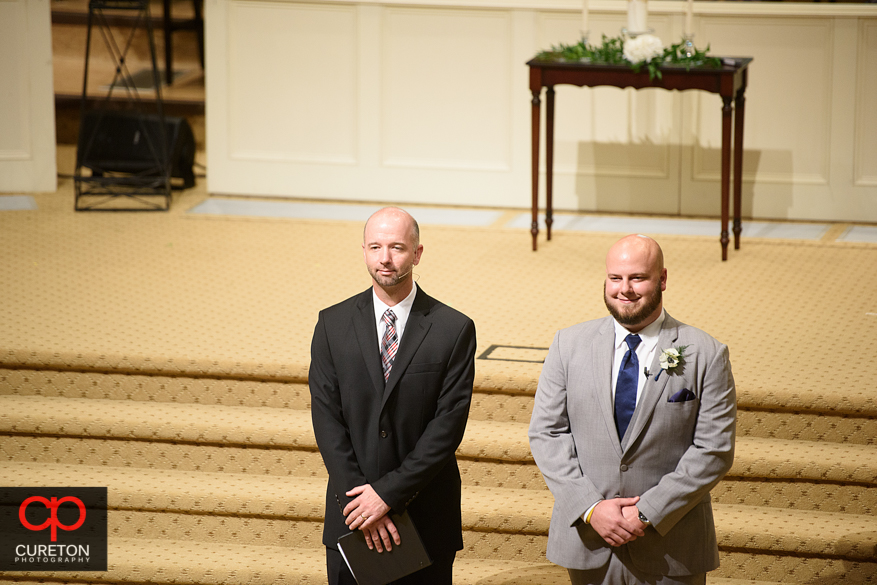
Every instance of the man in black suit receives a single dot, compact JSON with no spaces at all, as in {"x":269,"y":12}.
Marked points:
{"x":391,"y":382}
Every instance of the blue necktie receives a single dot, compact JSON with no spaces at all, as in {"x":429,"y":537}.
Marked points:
{"x":625,"y":387}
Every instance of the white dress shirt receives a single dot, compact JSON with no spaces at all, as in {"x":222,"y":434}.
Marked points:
{"x":402,"y":309}
{"x":645,"y":351}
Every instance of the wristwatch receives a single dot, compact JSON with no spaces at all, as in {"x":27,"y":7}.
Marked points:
{"x":643,"y":519}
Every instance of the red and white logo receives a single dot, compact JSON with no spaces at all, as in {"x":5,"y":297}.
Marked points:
{"x":53,"y":522}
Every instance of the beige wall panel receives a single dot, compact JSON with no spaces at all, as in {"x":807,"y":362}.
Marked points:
{"x":787,"y":115}
{"x":292,"y":82}
{"x":446,"y":89}
{"x":427,"y":101}
{"x":614,"y":149}
{"x":866,"y":107}
{"x":27,"y":121}
{"x":14,"y":138}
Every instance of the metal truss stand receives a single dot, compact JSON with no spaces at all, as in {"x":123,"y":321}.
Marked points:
{"x":122,"y":158}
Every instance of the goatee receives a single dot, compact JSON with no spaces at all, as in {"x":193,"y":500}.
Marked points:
{"x":636,"y":315}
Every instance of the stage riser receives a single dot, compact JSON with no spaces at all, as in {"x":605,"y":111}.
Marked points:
{"x":491,"y":406}
{"x":806,"y":426}
{"x":296,"y":534}
{"x":792,"y":569}
{"x":171,"y":389}
{"x":109,"y":454}
{"x":215,"y":529}
{"x":148,"y":438}
{"x":169,"y":456}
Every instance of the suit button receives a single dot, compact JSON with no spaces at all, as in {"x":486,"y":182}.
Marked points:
{"x":623,"y":467}
{"x":383,"y":434}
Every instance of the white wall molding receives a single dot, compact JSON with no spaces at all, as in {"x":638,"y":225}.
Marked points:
{"x":427,"y":101}
{"x":27,"y":106}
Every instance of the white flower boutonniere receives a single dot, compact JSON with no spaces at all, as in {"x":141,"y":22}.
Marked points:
{"x":671,"y":358}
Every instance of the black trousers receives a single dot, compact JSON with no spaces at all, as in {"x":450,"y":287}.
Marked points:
{"x":440,"y":572}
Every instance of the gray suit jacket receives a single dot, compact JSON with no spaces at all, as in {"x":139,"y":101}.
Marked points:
{"x":673,"y":454}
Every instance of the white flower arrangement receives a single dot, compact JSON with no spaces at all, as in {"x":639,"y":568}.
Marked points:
{"x":643,"y":48}
{"x":671,"y":358}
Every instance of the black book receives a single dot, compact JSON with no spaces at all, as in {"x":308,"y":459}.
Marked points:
{"x":369,"y":567}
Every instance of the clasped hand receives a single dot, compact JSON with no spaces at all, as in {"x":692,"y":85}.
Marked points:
{"x":368,"y":512}
{"x":617,"y":520}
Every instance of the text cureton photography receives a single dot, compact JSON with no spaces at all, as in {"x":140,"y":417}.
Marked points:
{"x":53,"y":529}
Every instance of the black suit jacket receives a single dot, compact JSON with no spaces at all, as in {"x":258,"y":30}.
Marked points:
{"x":399,"y":436}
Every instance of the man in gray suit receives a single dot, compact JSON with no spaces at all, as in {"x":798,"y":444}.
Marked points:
{"x":633,"y":425}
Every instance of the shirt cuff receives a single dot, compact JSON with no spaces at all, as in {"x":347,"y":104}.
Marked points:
{"x":587,"y":515}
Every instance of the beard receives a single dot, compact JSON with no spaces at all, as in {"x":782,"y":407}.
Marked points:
{"x":390,"y":281}
{"x":634,"y":315}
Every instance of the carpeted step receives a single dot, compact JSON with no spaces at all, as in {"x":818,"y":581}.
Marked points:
{"x":226,"y":494}
{"x":500,"y":407}
{"x":220,"y":391}
{"x":166,"y":562}
{"x":168,"y":389}
{"x":492,"y":510}
{"x":797,"y":495}
{"x":291,"y":429}
{"x":794,"y":569}
{"x":253,"y":459}
{"x":181,"y":562}
{"x":157,"y":421}
{"x":711,"y":580}
{"x":492,"y":453}
{"x":500,"y":523}
{"x":849,"y":421}
{"x":807,"y":426}
{"x":466,"y":572}
{"x":214,"y":425}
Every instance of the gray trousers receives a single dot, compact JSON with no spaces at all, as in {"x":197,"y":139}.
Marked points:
{"x":620,"y":571}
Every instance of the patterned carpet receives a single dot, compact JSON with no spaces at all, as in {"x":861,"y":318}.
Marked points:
{"x":139,"y":348}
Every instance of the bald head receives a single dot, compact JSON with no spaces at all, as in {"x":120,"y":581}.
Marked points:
{"x":391,"y":248}
{"x":395,"y":218}
{"x":637,"y":247}
{"x":635,"y":281}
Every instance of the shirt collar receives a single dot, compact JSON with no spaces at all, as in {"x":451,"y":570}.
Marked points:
{"x":403,"y":306}
{"x":648,"y":334}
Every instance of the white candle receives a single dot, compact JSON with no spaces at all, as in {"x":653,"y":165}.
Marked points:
{"x":637,"y":16}
{"x":689,"y":17}
{"x":584,"y":16}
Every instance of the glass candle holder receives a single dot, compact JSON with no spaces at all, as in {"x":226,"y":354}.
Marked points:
{"x":688,"y":45}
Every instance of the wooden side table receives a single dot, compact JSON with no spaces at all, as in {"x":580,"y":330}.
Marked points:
{"x":729,"y":81}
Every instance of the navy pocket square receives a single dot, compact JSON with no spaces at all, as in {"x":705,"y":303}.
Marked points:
{"x":683,"y":395}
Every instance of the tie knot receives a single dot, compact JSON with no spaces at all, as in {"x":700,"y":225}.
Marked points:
{"x":632,"y":341}
{"x":389,"y":317}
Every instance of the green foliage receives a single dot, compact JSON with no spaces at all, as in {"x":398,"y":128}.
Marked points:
{"x":611,"y":52}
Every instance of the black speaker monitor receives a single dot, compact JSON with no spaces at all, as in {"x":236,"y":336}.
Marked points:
{"x":124,"y":142}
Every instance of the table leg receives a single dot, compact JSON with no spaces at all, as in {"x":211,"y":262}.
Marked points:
{"x":726,"y":172}
{"x":534,"y":227}
{"x":549,"y":161}
{"x":739,"y":106}
{"x":168,"y":44}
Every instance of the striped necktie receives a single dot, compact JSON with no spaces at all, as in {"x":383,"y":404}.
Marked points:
{"x":389,"y":343}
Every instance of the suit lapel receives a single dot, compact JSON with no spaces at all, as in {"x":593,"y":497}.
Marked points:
{"x":416,"y":328}
{"x":652,"y":390}
{"x":604,"y":355}
{"x":367,"y":336}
